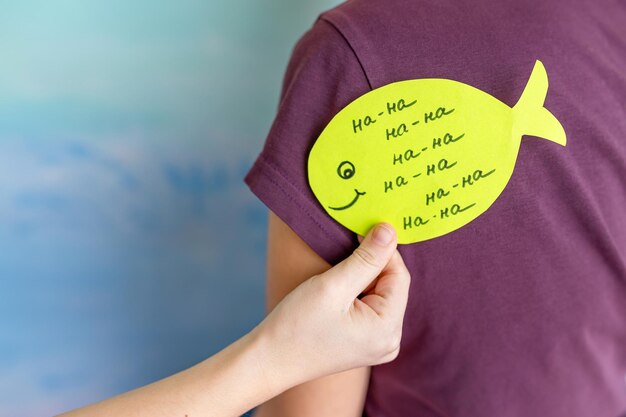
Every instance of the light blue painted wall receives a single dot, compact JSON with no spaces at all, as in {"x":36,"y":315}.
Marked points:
{"x":129,"y":246}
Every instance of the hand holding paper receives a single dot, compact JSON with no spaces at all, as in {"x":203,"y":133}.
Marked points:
{"x":324,"y":326}
{"x":336,"y":321}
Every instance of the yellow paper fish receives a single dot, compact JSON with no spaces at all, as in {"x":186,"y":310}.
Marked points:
{"x":427,"y":156}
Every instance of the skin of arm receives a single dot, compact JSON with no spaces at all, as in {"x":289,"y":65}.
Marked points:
{"x":291,"y":261}
{"x":343,"y":319}
{"x":226,"y":385}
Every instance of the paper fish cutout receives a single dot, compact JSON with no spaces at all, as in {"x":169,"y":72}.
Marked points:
{"x":427,"y":155}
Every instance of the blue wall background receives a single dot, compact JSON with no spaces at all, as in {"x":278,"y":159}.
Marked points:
{"x":129,"y":246}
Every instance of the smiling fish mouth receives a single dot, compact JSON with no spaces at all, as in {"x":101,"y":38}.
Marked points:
{"x":350,"y":204}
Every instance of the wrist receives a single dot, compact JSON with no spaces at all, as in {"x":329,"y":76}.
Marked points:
{"x":242,"y":376}
{"x":277,"y":367}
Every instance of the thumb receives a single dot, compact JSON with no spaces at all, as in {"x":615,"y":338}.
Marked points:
{"x":357,"y":271}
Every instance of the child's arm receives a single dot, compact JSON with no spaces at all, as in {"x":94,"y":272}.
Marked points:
{"x":289,"y":262}
{"x":303,"y":338}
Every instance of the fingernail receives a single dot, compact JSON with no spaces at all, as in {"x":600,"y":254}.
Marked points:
{"x":382,"y":235}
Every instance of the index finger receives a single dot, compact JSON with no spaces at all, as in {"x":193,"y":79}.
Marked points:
{"x":391,"y":291}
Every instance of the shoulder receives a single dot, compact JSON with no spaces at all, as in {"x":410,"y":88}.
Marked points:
{"x":373,"y":28}
{"x":323,"y":45}
{"x":365,"y":12}
{"x":340,"y":30}
{"x":324,"y":68}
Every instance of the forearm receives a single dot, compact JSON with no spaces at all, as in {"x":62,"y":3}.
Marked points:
{"x":227,"y":384}
{"x":322,"y":328}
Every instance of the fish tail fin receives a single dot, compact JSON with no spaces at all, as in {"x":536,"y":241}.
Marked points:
{"x":529,"y":115}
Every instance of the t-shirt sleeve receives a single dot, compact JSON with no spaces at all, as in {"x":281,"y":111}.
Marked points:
{"x":323,"y":76}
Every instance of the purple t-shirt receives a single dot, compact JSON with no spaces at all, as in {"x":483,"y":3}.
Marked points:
{"x":521,"y":312}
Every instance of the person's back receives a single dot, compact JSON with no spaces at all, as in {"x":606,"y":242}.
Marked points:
{"x":521,"y":312}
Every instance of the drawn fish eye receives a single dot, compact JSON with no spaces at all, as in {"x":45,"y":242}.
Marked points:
{"x":346,"y":170}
